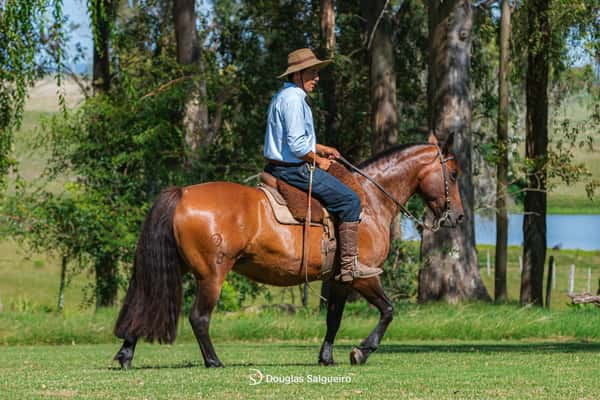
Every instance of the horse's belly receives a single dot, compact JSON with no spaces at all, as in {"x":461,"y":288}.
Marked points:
{"x":271,"y":274}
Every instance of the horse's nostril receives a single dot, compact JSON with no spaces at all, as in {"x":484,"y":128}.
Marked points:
{"x":460,"y":218}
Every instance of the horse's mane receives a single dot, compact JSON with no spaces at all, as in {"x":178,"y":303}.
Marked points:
{"x":387,"y":153}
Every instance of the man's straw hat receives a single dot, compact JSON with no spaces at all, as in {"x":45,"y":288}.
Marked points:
{"x":301,"y":59}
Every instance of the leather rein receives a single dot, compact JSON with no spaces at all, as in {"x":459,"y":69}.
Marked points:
{"x":447,"y":209}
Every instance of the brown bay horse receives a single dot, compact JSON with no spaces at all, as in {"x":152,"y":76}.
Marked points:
{"x":212,"y":228}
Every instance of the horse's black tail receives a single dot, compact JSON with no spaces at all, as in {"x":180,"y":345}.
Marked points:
{"x":153,"y":301}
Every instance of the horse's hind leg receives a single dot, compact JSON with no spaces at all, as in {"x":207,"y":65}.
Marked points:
{"x":125,"y":353}
{"x":335,"y":308}
{"x":207,"y":295}
{"x":372,"y":290}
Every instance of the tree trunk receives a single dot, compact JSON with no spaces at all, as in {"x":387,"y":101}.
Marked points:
{"x":384,"y":109}
{"x":102,"y":17}
{"x":449,"y":259}
{"x":536,"y":150}
{"x":327,"y":75}
{"x":106,"y":282}
{"x":61,"y":289}
{"x":195,"y":120}
{"x":502,"y":167}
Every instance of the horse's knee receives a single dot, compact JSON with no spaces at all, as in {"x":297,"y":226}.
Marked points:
{"x":387,"y":314}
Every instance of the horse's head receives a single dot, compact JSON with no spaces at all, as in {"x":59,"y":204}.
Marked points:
{"x":438,"y":185}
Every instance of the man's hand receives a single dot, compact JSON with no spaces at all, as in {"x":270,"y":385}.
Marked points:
{"x":323,"y":163}
{"x":329,"y":152}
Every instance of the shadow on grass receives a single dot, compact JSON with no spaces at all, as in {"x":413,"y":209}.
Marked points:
{"x":466,"y":347}
{"x":491,"y":348}
{"x":200,"y":364}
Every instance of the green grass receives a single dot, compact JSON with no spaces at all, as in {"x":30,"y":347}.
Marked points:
{"x":440,"y":370}
{"x":412,"y":322}
{"x":31,"y":281}
{"x":568,"y":204}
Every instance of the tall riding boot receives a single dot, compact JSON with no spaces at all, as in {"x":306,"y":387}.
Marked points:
{"x":350,"y":268}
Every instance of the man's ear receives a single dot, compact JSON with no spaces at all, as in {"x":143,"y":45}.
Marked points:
{"x":447,"y":146}
{"x":432,"y":139}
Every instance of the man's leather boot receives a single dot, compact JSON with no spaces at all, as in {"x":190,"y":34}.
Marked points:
{"x":350,"y":268}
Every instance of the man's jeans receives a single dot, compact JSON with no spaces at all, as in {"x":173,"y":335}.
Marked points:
{"x":336,"y":197}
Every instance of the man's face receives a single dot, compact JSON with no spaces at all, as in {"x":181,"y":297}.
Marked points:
{"x":310,"y":78}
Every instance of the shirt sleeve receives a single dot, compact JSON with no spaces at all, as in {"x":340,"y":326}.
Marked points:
{"x":295,"y":126}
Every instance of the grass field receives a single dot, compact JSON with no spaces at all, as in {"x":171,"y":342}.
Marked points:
{"x":399,"y":370}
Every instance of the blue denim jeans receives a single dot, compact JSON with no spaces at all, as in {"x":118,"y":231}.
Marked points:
{"x":337,"y":198}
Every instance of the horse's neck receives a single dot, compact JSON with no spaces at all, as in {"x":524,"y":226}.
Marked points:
{"x":398,"y":174}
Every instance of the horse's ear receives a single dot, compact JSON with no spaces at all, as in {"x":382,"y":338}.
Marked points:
{"x":432,"y":139}
{"x":447,"y":146}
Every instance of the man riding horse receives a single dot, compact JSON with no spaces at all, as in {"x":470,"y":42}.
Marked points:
{"x":291,"y":150}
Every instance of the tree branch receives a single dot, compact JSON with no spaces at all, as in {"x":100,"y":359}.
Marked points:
{"x":165,"y":86}
{"x":377,"y":24}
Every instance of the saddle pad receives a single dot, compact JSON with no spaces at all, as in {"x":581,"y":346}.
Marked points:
{"x":281,"y":211}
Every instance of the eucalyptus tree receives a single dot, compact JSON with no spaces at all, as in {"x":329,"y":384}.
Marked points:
{"x":500,"y":292}
{"x":449,"y":259}
{"x":382,"y":74}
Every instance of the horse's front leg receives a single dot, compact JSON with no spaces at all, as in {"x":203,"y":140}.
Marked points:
{"x":372,"y":290}
{"x":335,"y":308}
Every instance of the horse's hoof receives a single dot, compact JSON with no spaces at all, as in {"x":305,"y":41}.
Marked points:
{"x":126,"y":364}
{"x":214,"y":364}
{"x":357,"y":357}
{"x":326,"y":363}
{"x":123,"y":361}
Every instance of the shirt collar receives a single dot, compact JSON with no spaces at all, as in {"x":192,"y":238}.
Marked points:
{"x":293,"y":85}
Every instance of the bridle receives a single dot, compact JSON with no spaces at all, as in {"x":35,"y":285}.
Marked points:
{"x":437,"y":224}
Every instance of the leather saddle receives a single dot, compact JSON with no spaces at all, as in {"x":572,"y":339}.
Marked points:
{"x":296,"y":200}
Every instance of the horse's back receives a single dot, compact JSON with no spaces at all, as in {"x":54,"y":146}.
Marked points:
{"x":225,"y":203}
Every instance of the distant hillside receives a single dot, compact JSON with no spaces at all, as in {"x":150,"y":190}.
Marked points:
{"x":44,"y":95}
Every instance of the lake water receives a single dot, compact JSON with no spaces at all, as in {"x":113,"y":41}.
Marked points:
{"x":566,"y":231}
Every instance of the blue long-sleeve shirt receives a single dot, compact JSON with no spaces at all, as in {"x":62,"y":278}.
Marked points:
{"x":290,"y":132}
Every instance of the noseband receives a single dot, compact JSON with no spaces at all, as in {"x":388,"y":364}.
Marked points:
{"x":437,"y":224}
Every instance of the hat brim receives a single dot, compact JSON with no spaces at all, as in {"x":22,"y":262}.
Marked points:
{"x":305,"y":65}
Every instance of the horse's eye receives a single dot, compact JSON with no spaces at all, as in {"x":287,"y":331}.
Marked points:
{"x":454,"y":175}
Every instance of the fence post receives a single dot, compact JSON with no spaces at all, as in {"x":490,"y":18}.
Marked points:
{"x":571,"y":278}
{"x":1,"y":306}
{"x":488,"y":263}
{"x":521,"y":264}
{"x":589,"y":282}
{"x":554,"y":276}
{"x":549,"y":281}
